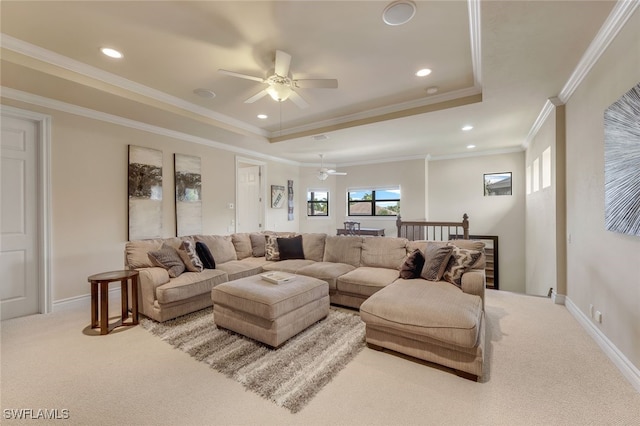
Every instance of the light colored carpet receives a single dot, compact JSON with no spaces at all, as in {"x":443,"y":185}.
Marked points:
{"x":290,"y":375}
{"x":544,"y":369}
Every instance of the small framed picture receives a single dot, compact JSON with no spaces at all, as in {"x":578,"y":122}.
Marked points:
{"x":277,"y":196}
{"x":497,"y":184}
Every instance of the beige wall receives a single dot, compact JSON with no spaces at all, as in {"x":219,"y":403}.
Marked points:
{"x":541,"y":215}
{"x":603,"y":266}
{"x":456,"y":187}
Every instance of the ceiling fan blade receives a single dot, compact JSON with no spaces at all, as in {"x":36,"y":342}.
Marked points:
{"x":297,"y":99}
{"x":334,"y":173}
{"x":257,"y":96}
{"x":283,"y":60}
{"x":316,"y":83}
{"x":237,"y":74}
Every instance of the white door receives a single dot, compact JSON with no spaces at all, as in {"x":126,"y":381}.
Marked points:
{"x":19,"y":255}
{"x":249,"y":200}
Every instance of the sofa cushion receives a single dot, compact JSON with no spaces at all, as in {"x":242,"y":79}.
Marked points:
{"x":168,"y":258}
{"x":258,"y":242}
{"x":434,"y":310}
{"x":189,"y":256}
{"x":242,"y":244}
{"x":291,"y":265}
{"x":412,"y":266}
{"x":461,"y":261}
{"x":290,"y":248}
{"x":208,"y":262}
{"x":313,"y":246}
{"x":236,"y":269}
{"x":137,"y":253}
{"x":436,"y":259}
{"x":365,"y":280}
{"x":326,"y":271}
{"x":221,"y":247}
{"x":383,"y":252}
{"x":190,"y":284}
{"x":343,"y":249}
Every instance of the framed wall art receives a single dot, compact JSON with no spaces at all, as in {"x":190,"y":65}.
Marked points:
{"x":145,"y":193}
{"x":621,"y":160}
{"x":277,"y":196}
{"x":188,"y":181}
{"x":497,"y":184}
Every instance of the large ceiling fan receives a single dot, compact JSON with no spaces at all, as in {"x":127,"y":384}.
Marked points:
{"x":281,"y":85}
{"x":324,"y":173}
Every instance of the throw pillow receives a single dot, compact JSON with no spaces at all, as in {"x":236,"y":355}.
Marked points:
{"x":187,"y":252}
{"x":436,"y":258}
{"x":258,"y":242}
{"x":412,"y":266}
{"x":271,"y":248}
{"x":168,"y":258}
{"x":205,"y":255}
{"x":461,"y":261}
{"x":290,"y":248}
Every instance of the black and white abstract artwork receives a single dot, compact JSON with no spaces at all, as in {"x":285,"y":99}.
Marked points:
{"x":145,"y":193}
{"x":622,"y":164}
{"x":188,"y":180}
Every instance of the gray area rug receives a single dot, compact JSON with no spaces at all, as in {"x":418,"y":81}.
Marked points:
{"x":290,"y":375}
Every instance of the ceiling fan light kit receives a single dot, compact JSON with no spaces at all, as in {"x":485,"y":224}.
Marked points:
{"x":324,"y":173}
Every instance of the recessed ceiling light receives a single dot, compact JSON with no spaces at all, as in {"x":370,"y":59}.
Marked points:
{"x":423,"y":72}
{"x":470,"y":146}
{"x":432,"y":90}
{"x":263,"y":116}
{"x":467,"y":128}
{"x":204,"y":93}
{"x":112,"y":53}
{"x":399,"y":12}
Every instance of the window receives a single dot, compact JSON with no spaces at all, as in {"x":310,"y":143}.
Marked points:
{"x":374,"y":202}
{"x":317,"y":203}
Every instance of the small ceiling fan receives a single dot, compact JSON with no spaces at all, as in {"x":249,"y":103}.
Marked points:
{"x":324,"y":173}
{"x":281,"y":85}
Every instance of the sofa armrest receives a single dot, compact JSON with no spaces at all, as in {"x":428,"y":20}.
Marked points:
{"x":474,"y":282}
{"x":149,"y":280}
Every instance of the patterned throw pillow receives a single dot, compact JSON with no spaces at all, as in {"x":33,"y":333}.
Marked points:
{"x":271,"y":248}
{"x":460,"y":262}
{"x":436,"y":258}
{"x":187,"y":252}
{"x":412,"y":266}
{"x":168,"y":258}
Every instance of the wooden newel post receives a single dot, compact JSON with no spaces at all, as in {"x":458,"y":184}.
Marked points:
{"x":399,"y":225}
{"x":465,"y":226}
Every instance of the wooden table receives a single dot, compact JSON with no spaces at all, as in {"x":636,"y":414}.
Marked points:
{"x":376,"y":232}
{"x":101,"y":282}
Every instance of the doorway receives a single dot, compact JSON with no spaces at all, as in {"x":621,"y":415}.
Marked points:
{"x":250,"y":195}
{"x":24,"y":209}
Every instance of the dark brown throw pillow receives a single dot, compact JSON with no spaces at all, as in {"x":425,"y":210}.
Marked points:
{"x":205,"y":255}
{"x":290,"y":248}
{"x":168,"y":258}
{"x":436,"y":258}
{"x":412,"y":266}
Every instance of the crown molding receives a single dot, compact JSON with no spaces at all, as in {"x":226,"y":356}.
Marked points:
{"x":620,"y":14}
{"x":47,"y":56}
{"x":29,"y":98}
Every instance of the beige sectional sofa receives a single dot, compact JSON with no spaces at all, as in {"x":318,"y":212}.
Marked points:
{"x":434,"y":321}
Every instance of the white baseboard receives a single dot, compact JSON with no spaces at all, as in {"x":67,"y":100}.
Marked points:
{"x":80,"y":302}
{"x":628,"y":370}
{"x":558,"y":299}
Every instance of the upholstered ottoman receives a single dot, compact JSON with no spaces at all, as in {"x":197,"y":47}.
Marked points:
{"x":433,"y":321}
{"x":270,"y":313}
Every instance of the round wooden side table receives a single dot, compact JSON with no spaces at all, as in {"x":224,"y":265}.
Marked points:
{"x":101,"y":282}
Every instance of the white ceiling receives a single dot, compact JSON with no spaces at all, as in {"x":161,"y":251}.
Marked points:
{"x":495,"y":64}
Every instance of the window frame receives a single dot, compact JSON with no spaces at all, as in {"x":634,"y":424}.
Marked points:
{"x":373,"y":201}
{"x":311,"y":202}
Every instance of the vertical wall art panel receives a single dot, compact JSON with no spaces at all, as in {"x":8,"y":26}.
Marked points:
{"x":145,"y":193}
{"x":622,"y":164}
{"x":290,"y":199}
{"x":188,"y":198}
